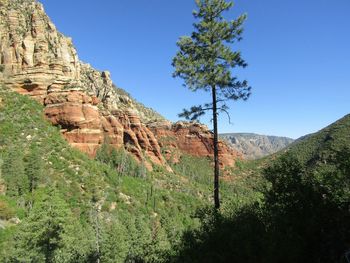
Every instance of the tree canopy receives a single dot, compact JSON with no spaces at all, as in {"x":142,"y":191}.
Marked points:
{"x":206,"y":59}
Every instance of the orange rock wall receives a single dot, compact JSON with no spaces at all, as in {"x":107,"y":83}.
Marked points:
{"x":191,"y":138}
{"x":86,"y":127}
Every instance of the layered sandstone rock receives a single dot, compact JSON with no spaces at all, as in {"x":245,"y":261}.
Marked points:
{"x":78,"y":117}
{"x":34,"y":55}
{"x":86,"y":127}
{"x":37,"y":60}
{"x":191,"y":138}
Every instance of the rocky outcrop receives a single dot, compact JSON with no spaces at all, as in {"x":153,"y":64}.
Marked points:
{"x":34,"y":56}
{"x":37,"y":60}
{"x":190,"y":138}
{"x":33,"y":53}
{"x":78,"y":117}
{"x":86,"y":127}
{"x":135,"y":136}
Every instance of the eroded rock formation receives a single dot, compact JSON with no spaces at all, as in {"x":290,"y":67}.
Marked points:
{"x":37,"y":60}
{"x":86,"y":127}
{"x":191,"y":138}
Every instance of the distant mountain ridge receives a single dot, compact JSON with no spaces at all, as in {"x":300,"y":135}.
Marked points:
{"x":254,"y":146}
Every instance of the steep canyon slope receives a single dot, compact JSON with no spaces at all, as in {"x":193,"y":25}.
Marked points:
{"x":37,"y":60}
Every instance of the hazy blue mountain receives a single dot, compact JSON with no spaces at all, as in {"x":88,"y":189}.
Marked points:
{"x":254,"y":146}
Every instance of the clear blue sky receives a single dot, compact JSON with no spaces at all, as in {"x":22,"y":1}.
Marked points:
{"x":298,"y":53}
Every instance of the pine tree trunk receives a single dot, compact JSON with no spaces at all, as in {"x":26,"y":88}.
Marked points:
{"x":216,"y":152}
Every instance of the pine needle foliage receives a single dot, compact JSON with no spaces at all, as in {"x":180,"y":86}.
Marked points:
{"x":205,"y":61}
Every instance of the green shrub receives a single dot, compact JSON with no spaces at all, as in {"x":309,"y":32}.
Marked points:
{"x":195,"y":168}
{"x":120,"y":160}
{"x":6,"y":212}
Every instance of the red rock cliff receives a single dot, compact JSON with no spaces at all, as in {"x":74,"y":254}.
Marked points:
{"x":190,"y":138}
{"x":37,"y":60}
{"x":86,"y":127}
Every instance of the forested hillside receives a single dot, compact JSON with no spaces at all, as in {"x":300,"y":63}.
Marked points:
{"x":303,"y":217}
{"x":57,"y":205}
{"x":73,"y":209}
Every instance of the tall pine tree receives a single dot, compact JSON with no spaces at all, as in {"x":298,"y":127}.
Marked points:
{"x":13,"y":172}
{"x":34,"y":167}
{"x":205,"y":62}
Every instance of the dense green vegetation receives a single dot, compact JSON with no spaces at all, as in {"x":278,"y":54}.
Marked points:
{"x":303,"y":216}
{"x":316,"y":148}
{"x":56,"y":191}
{"x":57,"y":205}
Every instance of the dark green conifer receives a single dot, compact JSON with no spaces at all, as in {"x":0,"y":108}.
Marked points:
{"x":51,"y":233}
{"x":34,"y":167}
{"x":205,"y":62}
{"x":13,"y":172}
